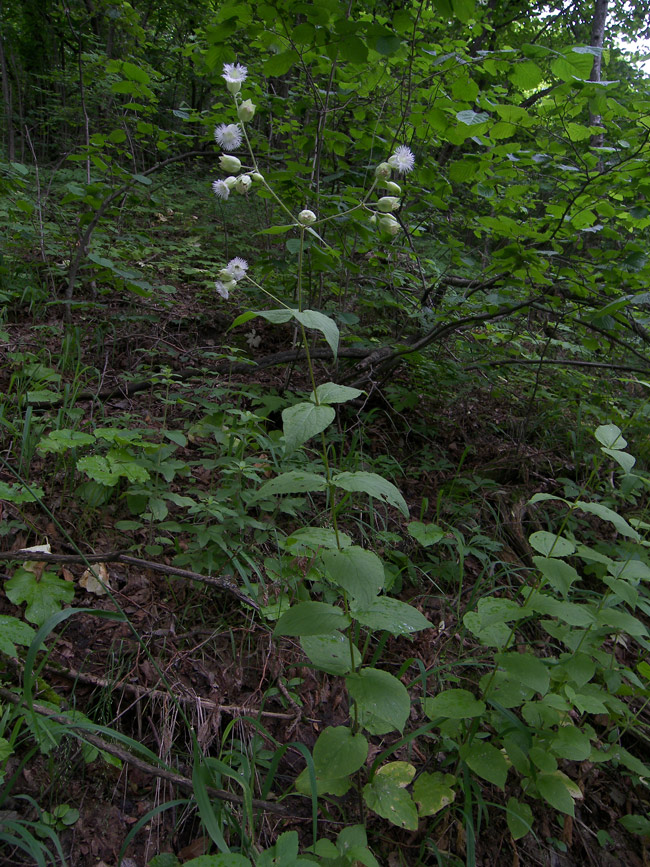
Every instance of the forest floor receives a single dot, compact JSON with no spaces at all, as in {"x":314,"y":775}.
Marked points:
{"x":471,"y":462}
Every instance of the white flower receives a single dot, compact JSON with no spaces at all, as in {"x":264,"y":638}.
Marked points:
{"x":228,"y":136}
{"x":220,"y":189}
{"x":306,"y":218}
{"x":243,"y":183}
{"x":229,"y":163}
{"x":246,"y":110}
{"x":402,"y":160}
{"x":222,"y":290}
{"x":226,"y":277}
{"x":237,"y":267}
{"x":387,"y":204}
{"x":235,"y":75}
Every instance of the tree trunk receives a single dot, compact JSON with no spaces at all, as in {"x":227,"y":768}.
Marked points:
{"x":597,"y":36}
{"x":8,"y":103}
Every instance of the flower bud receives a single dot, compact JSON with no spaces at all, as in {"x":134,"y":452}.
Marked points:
{"x":256,"y":176}
{"x":383,"y":170}
{"x":226,"y":276}
{"x":230,"y":181}
{"x":306,"y":218}
{"x":389,"y":225}
{"x":392,"y":187}
{"x":387,"y":204}
{"x":229,"y":163}
{"x":246,"y":110}
{"x":243,"y":184}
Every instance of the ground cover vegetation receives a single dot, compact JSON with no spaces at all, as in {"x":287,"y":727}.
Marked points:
{"x":324,"y":469}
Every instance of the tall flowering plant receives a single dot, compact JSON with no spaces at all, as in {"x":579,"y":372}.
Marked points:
{"x":330,"y":633}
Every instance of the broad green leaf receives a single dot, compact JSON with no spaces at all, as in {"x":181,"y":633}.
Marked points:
{"x":490,"y":622}
{"x":44,"y":596}
{"x":614,"y":619}
{"x":330,"y":392}
{"x":559,"y":791}
{"x":391,"y":615}
{"x":338,"y":752}
{"x":560,"y":575}
{"x":6,"y":749}
{"x":353,"y":49}
{"x":571,"y":743}
{"x":277,"y":317}
{"x":551,"y":545}
{"x":620,"y":754}
{"x":293,"y":482}
{"x":13,"y":632}
{"x":433,"y":792}
{"x":373,"y":485}
{"x":337,"y":786}
{"x":463,"y":9}
{"x":499,"y":687}
{"x":471,"y":117}
{"x":425,"y":534}
{"x":303,"y":421}
{"x":636,"y":825}
{"x":623,"y":589}
{"x":322,"y":323}
{"x":630,"y":570}
{"x":486,"y":761}
{"x":313,"y":538}
{"x":59,"y":441}
{"x":134,"y":73}
{"x":382,"y":700}
{"x":311,"y":618}
{"x":573,"y":65}
{"x":519,"y":817}
{"x":526,"y":75}
{"x":453,"y":704}
{"x":331,"y":653}
{"x":280,"y":64}
{"x":359,"y":572}
{"x":610,"y":436}
{"x":19,"y":493}
{"x":623,"y":459}
{"x":526,"y":668}
{"x":568,"y":612}
{"x":108,"y":470}
{"x":606,"y":514}
{"x":389,"y":799}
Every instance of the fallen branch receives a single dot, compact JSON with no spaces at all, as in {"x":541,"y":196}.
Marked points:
{"x":234,"y":710}
{"x":562,"y":362}
{"x":80,"y":731}
{"x":120,"y":557}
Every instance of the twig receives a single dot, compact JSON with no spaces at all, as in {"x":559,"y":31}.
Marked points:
{"x":120,"y":557}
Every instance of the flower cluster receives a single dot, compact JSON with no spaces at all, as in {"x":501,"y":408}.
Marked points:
{"x":230,"y":137}
{"x":402,"y":161}
{"x":229,"y":276}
